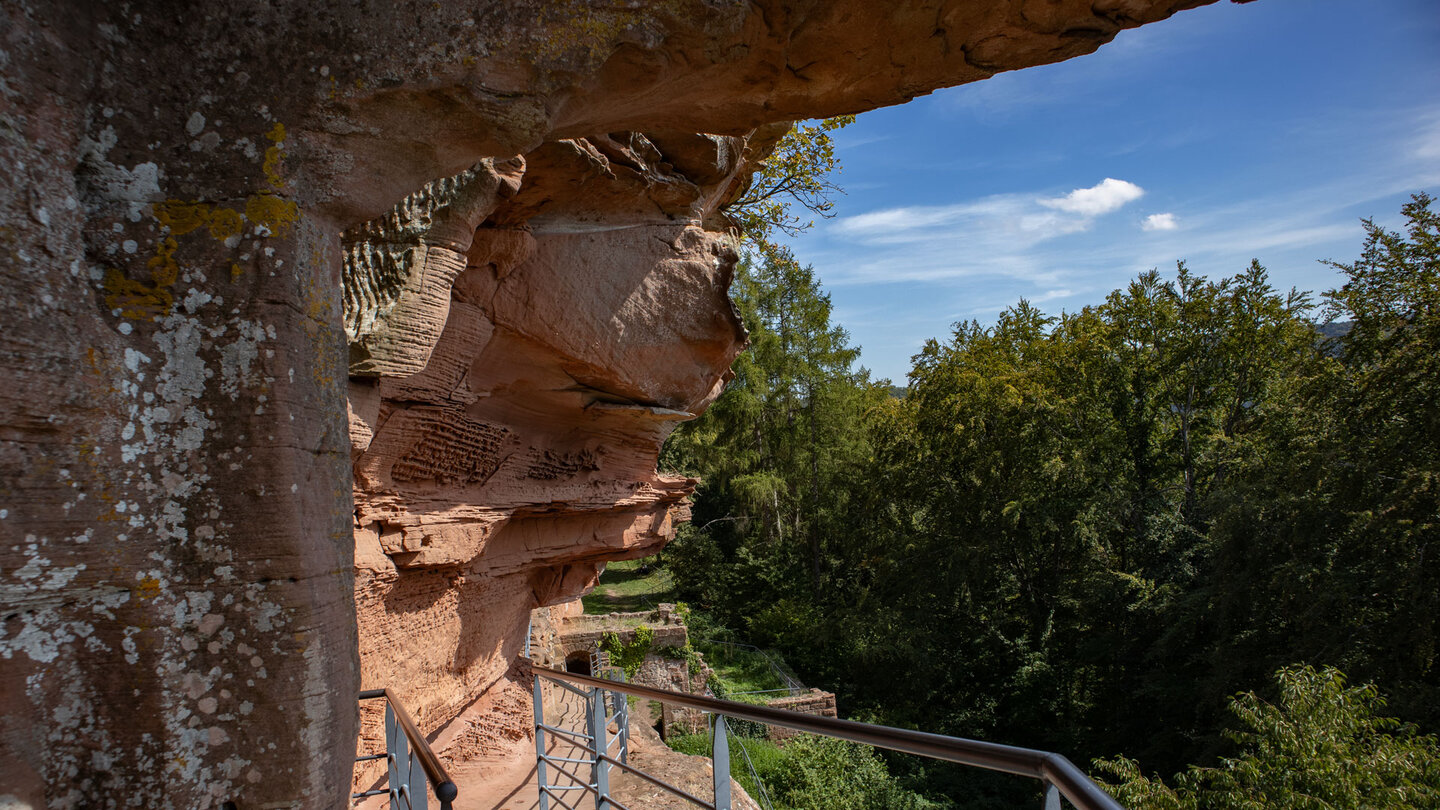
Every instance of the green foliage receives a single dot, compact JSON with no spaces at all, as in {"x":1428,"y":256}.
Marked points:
{"x":810,"y":773}
{"x":687,"y":653}
{"x":628,"y":655}
{"x":772,"y":448}
{"x":798,"y":171}
{"x":1085,"y":532}
{"x":1323,"y":746}
{"x":823,"y":773}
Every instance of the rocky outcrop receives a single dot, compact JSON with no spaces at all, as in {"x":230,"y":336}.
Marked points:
{"x":318,"y":311}
{"x":589,"y":316}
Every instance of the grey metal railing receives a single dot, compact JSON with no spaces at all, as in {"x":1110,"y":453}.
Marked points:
{"x":410,"y":761}
{"x":1059,"y":775}
{"x":601,"y":707}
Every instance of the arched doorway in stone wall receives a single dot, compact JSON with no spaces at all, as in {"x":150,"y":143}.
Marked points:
{"x":578,"y":663}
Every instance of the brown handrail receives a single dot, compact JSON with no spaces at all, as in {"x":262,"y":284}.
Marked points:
{"x":440,"y":781}
{"x":1054,"y":769}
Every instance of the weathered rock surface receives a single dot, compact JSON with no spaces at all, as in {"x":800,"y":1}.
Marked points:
{"x":321,"y":310}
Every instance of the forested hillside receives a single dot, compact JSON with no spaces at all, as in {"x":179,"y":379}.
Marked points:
{"x":1086,"y":532}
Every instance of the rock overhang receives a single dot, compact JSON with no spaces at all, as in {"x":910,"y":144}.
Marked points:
{"x":185,"y":496}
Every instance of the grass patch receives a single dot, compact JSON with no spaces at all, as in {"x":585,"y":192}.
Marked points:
{"x":768,"y":758}
{"x":740,"y":669}
{"x":627,"y":586}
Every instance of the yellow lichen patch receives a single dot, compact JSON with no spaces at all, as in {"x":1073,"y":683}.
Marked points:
{"x":275,"y":213}
{"x":574,"y":26}
{"x":138,"y":299}
{"x":163,"y":267}
{"x":225,"y":223}
{"x":273,"y":156}
{"x":135,"y":299}
{"x":149,"y":588}
{"x":182,"y":217}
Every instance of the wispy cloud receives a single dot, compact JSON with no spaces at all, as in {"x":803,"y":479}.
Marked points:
{"x":1427,"y":141}
{"x":1014,"y":217}
{"x":1107,"y":196}
{"x":1159,"y":222}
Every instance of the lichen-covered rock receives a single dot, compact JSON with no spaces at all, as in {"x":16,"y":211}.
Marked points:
{"x":317,"y":308}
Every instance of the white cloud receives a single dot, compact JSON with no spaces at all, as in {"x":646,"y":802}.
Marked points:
{"x":1109,"y":195}
{"x":1427,"y":142}
{"x":1159,"y":222}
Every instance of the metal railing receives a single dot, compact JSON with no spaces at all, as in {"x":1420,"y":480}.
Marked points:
{"x":600,"y":707}
{"x":1059,"y":775}
{"x":410,"y":761}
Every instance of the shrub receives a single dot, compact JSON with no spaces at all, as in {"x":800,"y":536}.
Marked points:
{"x":1323,"y":746}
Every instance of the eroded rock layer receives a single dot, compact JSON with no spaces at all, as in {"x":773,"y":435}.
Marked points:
{"x":488,"y":235}
{"x":589,"y":317}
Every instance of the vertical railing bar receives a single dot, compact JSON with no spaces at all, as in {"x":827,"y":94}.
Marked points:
{"x":539,"y":697}
{"x":601,"y":769}
{"x":720,"y":755}
{"x":1052,"y":796}
{"x":623,"y":721}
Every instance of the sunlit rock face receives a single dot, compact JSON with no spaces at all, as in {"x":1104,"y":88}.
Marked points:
{"x":586,"y":317}
{"x":338,"y":336}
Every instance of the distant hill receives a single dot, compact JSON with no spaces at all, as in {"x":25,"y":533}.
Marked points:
{"x":1330,"y":334}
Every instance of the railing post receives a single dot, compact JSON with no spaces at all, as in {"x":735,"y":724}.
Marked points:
{"x":622,"y":718}
{"x":419,"y":793}
{"x":1052,"y":797}
{"x":720,"y":754}
{"x":622,"y":722}
{"x":601,"y":771}
{"x":540,"y":744}
{"x":398,"y":760}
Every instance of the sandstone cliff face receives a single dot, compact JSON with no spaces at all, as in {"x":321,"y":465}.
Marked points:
{"x":486,"y":234}
{"x":509,"y":393}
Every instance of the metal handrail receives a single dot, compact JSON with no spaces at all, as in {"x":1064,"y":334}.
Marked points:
{"x":1050,"y":768}
{"x":440,"y":781}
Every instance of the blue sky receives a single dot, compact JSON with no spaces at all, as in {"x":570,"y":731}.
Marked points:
{"x":1226,"y":133}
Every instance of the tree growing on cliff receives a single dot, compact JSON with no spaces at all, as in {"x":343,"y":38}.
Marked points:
{"x":799,"y":172}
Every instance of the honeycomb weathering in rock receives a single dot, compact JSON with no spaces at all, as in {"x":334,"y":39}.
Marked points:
{"x":199,"y":570}
{"x":452,"y":449}
{"x":399,"y":267}
{"x":551,"y":466}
